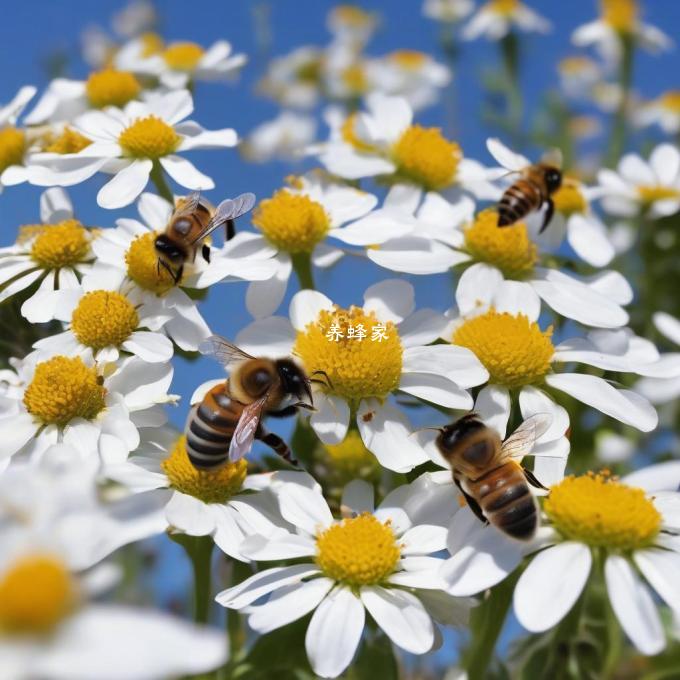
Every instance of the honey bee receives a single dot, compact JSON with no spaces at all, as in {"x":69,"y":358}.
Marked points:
{"x":224,"y":425}
{"x":190,"y":225}
{"x":485,"y":469}
{"x":534,"y":188}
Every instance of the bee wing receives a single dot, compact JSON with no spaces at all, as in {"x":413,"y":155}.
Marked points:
{"x":221,"y":349}
{"x":229,"y":209}
{"x":244,"y":434}
{"x":508,"y":159}
{"x":522,"y":440}
{"x":188,"y":205}
{"x":552,"y":157}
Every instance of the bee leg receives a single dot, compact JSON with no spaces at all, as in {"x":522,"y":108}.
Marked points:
{"x":549,"y":212}
{"x":280,"y":448}
{"x":178,"y":274}
{"x":162,"y":263}
{"x":283,"y":413}
{"x":325,"y":375}
{"x":205,"y":251}
{"x":531,"y":478}
{"x":230,"y":229}
{"x":472,"y":503}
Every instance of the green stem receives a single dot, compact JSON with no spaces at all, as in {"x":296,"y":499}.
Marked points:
{"x":158,"y":178}
{"x":617,"y":141}
{"x":235,"y":630}
{"x":199,"y":550}
{"x":510,"y":53}
{"x":302,"y":264}
{"x":486,"y":624}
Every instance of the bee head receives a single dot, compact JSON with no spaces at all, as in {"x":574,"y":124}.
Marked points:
{"x":168,"y":250}
{"x":553,"y":179}
{"x":293,"y":380}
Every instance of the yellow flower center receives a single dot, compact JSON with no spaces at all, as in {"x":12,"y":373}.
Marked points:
{"x":69,"y":141}
{"x":142,"y":265}
{"x":354,"y":78}
{"x":602,"y":512}
{"x":36,"y":593}
{"x":183,"y":56}
{"x":569,"y":199}
{"x":650,"y":194}
{"x":575,"y":65}
{"x":351,"y":458}
{"x":214,"y":486}
{"x":410,"y":60}
{"x":103,"y":319}
{"x":292,"y":222}
{"x":360,"y":551}
{"x":351,"y":15}
{"x":152,"y":43}
{"x":149,"y":137}
{"x":426,"y":157}
{"x":621,"y":15}
{"x":349,"y":135}
{"x":62,"y":389}
{"x":12,"y":147}
{"x":671,"y":101}
{"x":61,"y":245}
{"x":513,"y":349}
{"x":111,"y":88}
{"x":504,"y":7}
{"x":358,"y":367}
{"x":511,"y":249}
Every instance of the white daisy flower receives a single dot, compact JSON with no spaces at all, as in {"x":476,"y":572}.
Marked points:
{"x":578,"y":74}
{"x":384,"y":141}
{"x":65,"y":100}
{"x":68,"y":399}
{"x":663,"y":111}
{"x":294,"y":224}
{"x":56,"y":253}
{"x":226,"y":504}
{"x":448,"y":11}
{"x":637,"y":185}
{"x":127,"y":260}
{"x":619,"y":21}
{"x":136,"y":17}
{"x":283,"y":138}
{"x":496,"y":18}
{"x":368,"y":353}
{"x":411,"y":74}
{"x":103,"y":323}
{"x":143,"y":137}
{"x":179,"y":64}
{"x":294,"y":80}
{"x":665,"y":387}
{"x":526,"y":355}
{"x":13,"y":141}
{"x":351,"y":25}
{"x":377,"y":560}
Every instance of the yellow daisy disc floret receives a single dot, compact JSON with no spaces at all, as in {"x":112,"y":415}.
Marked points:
{"x":569,"y":199}
{"x":36,"y":593}
{"x":424,"y":156}
{"x":62,"y":389}
{"x":183,"y":56}
{"x":12,"y":147}
{"x":210,"y":486}
{"x":602,"y":512}
{"x":69,"y":141}
{"x":356,"y":368}
{"x":61,"y":245}
{"x":111,"y":88}
{"x":510,"y":250}
{"x":514,"y":350}
{"x":359,"y":551}
{"x":149,"y":137}
{"x":104,"y":319}
{"x":292,"y":222}
{"x":142,"y":265}
{"x":651,"y":193}
{"x":621,"y":15}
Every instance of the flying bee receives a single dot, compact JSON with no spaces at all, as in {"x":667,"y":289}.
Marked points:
{"x":485,"y":469}
{"x":190,"y":225}
{"x":534,"y":188}
{"x":224,"y":425}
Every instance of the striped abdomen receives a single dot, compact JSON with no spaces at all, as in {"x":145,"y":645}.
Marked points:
{"x":210,"y":427}
{"x":505,"y":498}
{"x":523,"y":197}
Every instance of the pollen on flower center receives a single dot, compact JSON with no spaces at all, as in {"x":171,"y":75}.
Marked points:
{"x":426,"y":157}
{"x":183,"y":56}
{"x":651,"y":193}
{"x":292,"y":222}
{"x":354,"y":79}
{"x":513,"y":349}
{"x":12,"y":147}
{"x":214,"y":486}
{"x":359,"y":551}
{"x":149,"y":137}
{"x":111,"y":88}
{"x":569,"y":199}
{"x":142,"y":265}
{"x":69,"y":141}
{"x":357,"y":367}
{"x":36,"y":593}
{"x":411,"y":60}
{"x":671,"y":101}
{"x":600,"y":511}
{"x":62,"y":389}
{"x":61,"y":245}
{"x":621,"y":15}
{"x":511,"y":249}
{"x":151,"y":44}
{"x":104,"y":319}
{"x":505,"y":7}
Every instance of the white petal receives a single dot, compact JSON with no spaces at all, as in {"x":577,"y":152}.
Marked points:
{"x":15,"y":431}
{"x":665,"y":162}
{"x":125,"y":186}
{"x":589,"y":240}
{"x":550,"y":585}
{"x":477,"y":286}
{"x":185,"y":173}
{"x":357,"y":497}
{"x":331,"y":418}
{"x":658,"y":477}
{"x":422,"y":327}
{"x":306,"y":306}
{"x":508,"y":159}
{"x":660,"y":568}
{"x":271,"y":337}
{"x":533,"y":401}
{"x":518,"y":297}
{"x":189,"y":515}
{"x":304,"y":508}
{"x":278,"y":546}
{"x":423,"y":539}
{"x":55,"y":205}
{"x":437,"y":389}
{"x":633,"y":606}
{"x":493,"y":406}
{"x":154,"y":210}
{"x":264,"y":297}
{"x":415,"y":255}
{"x":668,"y":325}
{"x":149,"y":346}
{"x":458,"y":364}
{"x":391,"y":300}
